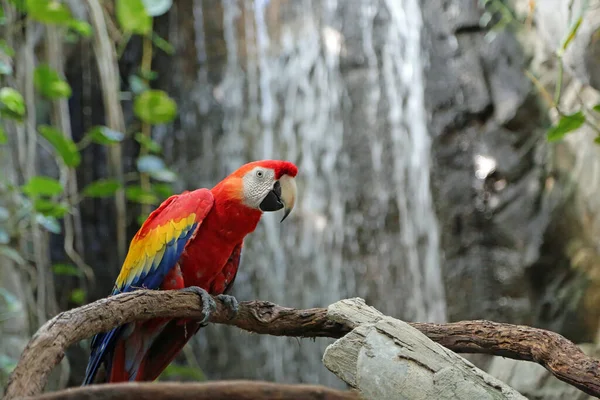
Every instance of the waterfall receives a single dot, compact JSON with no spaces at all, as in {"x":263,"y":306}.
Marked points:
{"x":336,"y":87}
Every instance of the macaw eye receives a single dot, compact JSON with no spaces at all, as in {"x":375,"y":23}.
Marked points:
{"x":259,"y":174}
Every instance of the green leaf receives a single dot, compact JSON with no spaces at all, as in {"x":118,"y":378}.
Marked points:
{"x":105,"y":135}
{"x":42,"y":186}
{"x":66,"y":270}
{"x":572,"y":32}
{"x":566,"y":124}
{"x":596,"y":108}
{"x":13,"y":254}
{"x":139,"y":195}
{"x":102,"y":188}
{"x":148,"y":74}
{"x":149,"y":164}
{"x":49,"y":83}
{"x":48,"y":11}
{"x":164,"y":175}
{"x":81,"y":27}
{"x":154,"y":8}
{"x":49,"y":208}
{"x":50,"y":223}
{"x":78,"y":296}
{"x":64,"y":146}
{"x":133,"y":17}
{"x":155,"y":107}
{"x":147,"y":143}
{"x":155,"y":167}
{"x":137,"y":84}
{"x":12,"y":104}
{"x":3,"y":137}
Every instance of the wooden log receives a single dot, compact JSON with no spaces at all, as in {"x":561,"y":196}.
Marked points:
{"x":385,"y":358}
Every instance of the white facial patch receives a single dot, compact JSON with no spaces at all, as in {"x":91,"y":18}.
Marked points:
{"x":257,"y":184}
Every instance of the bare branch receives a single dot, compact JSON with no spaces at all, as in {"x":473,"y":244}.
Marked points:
{"x":223,"y":390}
{"x":560,"y":356}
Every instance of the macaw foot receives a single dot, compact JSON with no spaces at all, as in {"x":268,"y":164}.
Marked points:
{"x":208,"y":303}
{"x":231,"y":303}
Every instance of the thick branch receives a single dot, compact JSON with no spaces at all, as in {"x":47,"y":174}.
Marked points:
{"x":554,"y":352}
{"x":560,"y":356}
{"x":223,"y":390}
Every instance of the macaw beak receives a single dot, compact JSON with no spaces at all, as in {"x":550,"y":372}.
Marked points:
{"x":283,"y":195}
{"x":288,"y":194}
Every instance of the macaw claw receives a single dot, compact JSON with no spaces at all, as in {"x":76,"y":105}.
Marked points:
{"x":231,"y":303}
{"x":208,"y":303}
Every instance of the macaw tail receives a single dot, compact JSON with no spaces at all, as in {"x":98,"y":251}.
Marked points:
{"x":102,"y":348}
{"x":165,"y":348}
{"x":139,"y":351}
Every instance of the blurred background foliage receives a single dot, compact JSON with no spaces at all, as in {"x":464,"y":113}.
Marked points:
{"x":447,"y":158}
{"x":44,"y":199}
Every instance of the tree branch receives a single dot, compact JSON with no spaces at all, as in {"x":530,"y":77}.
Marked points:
{"x":46,"y":348}
{"x":223,"y":390}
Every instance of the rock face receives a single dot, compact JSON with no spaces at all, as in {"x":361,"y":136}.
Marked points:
{"x":489,"y":152}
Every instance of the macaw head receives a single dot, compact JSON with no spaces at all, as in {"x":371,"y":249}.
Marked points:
{"x":266,"y":185}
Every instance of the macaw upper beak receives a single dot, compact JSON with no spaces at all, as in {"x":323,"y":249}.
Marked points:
{"x":288,"y":194}
{"x":283,"y":195}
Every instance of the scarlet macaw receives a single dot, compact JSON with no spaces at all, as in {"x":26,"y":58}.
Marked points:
{"x":192,"y":240}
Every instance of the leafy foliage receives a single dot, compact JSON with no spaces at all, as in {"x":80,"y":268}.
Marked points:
{"x":48,"y":11}
{"x":49,"y":83}
{"x":42,"y":186}
{"x":78,"y":296}
{"x":156,"y":168}
{"x":66,"y":270}
{"x":155,"y":107}
{"x":566,"y":124}
{"x":133,"y":17}
{"x":147,"y":143}
{"x":104,"y":135}
{"x":64,"y":146}
{"x":12,"y":104}
{"x":102,"y":188}
{"x":155,"y":8}
{"x":47,"y":201}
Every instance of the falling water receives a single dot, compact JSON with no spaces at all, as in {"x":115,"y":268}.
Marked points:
{"x":336,"y":87}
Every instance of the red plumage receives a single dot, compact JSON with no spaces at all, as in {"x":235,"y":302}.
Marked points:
{"x":210,"y":260}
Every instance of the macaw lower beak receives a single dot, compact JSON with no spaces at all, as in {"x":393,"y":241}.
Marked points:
{"x":283,"y":195}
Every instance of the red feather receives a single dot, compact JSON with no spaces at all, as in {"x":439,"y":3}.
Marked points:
{"x":209,"y":260}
